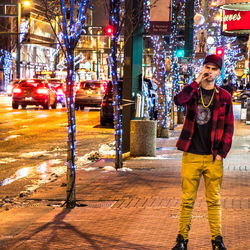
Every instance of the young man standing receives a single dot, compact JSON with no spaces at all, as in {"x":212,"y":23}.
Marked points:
{"x":206,"y":139}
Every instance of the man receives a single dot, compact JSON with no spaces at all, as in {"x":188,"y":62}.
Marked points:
{"x":206,"y":139}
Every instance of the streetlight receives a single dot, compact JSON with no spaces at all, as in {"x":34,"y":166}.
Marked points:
{"x":26,"y":3}
{"x":214,"y":3}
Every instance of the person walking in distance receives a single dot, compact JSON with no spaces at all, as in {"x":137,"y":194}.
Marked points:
{"x":206,"y":139}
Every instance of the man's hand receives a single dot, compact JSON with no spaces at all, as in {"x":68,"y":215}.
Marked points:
{"x":218,"y":157}
{"x":202,"y":76}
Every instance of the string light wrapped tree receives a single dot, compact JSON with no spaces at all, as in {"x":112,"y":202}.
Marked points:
{"x":177,"y":21}
{"x":72,"y":16}
{"x":116,"y":24}
{"x":160,"y":76}
{"x":159,"y":44}
{"x":118,"y":13}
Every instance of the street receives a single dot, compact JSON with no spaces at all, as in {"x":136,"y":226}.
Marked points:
{"x":33,"y":143}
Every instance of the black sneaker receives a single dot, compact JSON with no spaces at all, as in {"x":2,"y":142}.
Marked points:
{"x":218,"y":244}
{"x":181,"y":244}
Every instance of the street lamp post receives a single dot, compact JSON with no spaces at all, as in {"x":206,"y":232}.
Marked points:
{"x":18,"y":40}
{"x":26,"y":4}
{"x":97,"y":55}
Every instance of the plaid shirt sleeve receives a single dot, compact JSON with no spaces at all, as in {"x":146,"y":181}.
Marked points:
{"x":226,"y":140}
{"x":186,"y":94}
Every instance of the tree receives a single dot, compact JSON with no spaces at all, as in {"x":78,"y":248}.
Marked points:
{"x":160,"y":76}
{"x":72,"y":16}
{"x":119,"y":11}
{"x":115,"y":22}
{"x":7,"y":46}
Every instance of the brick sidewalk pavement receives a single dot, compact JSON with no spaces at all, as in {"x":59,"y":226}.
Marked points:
{"x":137,"y":209}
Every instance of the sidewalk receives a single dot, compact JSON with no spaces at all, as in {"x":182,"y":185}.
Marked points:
{"x":135,"y":209}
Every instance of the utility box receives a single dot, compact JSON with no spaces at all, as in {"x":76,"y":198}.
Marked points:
{"x":143,"y":137}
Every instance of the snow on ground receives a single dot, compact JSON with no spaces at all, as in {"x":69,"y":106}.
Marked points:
{"x":7,"y":160}
{"x":105,"y":151}
{"x":34,"y":154}
{"x":11,"y":137}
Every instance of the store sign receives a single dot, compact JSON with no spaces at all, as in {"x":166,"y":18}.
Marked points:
{"x":236,"y":21}
{"x":160,"y":18}
{"x":45,"y":72}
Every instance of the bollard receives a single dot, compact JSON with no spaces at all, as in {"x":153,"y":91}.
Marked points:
{"x":143,"y":138}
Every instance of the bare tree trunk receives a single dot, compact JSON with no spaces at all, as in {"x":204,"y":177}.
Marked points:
{"x":71,"y":196}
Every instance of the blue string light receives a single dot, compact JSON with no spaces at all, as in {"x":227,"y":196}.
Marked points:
{"x":6,"y":58}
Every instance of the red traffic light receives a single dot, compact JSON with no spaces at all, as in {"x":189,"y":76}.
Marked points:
{"x":220,"y":52}
{"x":109,"y":30}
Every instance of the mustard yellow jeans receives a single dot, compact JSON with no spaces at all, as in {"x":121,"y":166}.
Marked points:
{"x":192,"y":168}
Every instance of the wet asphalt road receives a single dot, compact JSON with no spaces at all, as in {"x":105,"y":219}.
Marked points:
{"x":33,"y":144}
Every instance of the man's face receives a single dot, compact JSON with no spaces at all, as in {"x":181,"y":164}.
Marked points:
{"x":212,"y":70}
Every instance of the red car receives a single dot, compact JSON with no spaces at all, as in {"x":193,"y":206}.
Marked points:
{"x":34,"y":92}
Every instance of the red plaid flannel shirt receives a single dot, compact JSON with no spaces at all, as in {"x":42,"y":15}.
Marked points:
{"x":222,"y":120}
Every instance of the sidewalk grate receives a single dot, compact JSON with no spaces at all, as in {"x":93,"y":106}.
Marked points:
{"x":226,"y":203}
{"x":98,"y":204}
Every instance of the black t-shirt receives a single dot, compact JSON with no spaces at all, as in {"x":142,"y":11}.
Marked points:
{"x":201,"y":142}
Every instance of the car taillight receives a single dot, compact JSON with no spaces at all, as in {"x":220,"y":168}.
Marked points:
{"x":42,"y":91}
{"x":16,"y":90}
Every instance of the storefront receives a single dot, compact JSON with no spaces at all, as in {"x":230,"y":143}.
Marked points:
{"x":235,"y":20}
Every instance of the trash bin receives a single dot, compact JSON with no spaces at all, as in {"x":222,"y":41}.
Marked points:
{"x":143,"y":138}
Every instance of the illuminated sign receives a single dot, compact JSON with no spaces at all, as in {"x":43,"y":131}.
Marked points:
{"x":45,"y":72}
{"x":236,"y":21}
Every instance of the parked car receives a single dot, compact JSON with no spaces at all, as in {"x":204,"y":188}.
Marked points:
{"x":106,"y":113}
{"x":89,"y":93}
{"x":34,"y":92}
{"x":60,"y":87}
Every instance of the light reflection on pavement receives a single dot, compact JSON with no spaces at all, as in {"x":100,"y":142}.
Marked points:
{"x":43,"y":170}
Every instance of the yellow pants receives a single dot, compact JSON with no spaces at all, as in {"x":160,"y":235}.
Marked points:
{"x":192,"y":168}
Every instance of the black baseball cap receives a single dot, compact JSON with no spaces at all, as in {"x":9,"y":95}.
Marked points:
{"x":217,"y":60}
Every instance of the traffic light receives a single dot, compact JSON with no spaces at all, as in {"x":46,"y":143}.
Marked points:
{"x":109,"y":30}
{"x":219,"y":52}
{"x":180,"y":52}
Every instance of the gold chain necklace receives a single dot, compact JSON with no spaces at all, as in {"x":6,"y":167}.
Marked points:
{"x":206,"y":106}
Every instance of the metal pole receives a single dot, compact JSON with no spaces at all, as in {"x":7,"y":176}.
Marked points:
{"x":97,"y":56}
{"x":18,"y":40}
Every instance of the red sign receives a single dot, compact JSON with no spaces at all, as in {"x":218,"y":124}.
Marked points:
{"x":234,"y":20}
